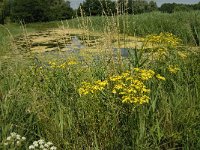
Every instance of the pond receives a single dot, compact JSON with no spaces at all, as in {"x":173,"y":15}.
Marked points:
{"x":61,"y":43}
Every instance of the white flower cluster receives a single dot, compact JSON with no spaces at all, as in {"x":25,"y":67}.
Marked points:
{"x":14,"y":140}
{"x":42,"y":145}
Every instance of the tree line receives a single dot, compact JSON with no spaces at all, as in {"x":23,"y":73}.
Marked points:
{"x":108,"y":7}
{"x":173,"y":7}
{"x":35,"y":10}
{"x":49,"y":10}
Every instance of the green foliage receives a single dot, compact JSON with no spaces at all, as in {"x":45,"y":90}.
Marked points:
{"x":40,"y":10}
{"x":40,"y":99}
{"x":141,"y":6}
{"x":4,"y":10}
{"x":173,"y":7}
{"x":96,"y":8}
{"x":185,"y":25}
{"x":108,"y":7}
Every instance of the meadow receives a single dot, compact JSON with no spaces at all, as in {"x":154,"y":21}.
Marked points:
{"x":97,"y":98}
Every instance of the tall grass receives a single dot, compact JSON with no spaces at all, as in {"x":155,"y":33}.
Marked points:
{"x":183,"y":24}
{"x":41,"y":100}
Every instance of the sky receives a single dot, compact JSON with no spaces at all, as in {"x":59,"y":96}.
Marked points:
{"x":75,"y":3}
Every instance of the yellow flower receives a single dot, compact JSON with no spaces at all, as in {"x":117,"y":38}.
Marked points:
{"x":182,"y":55}
{"x":115,"y":78}
{"x":129,"y":87}
{"x":101,"y":83}
{"x":147,"y":74}
{"x":114,"y":91}
{"x":173,"y":69}
{"x":136,"y":69}
{"x":118,"y":86}
{"x":158,"y":76}
{"x":72,"y":62}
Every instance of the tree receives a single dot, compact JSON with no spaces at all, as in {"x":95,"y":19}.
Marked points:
{"x":136,"y":6}
{"x":167,"y":7}
{"x":58,"y":10}
{"x":97,"y":7}
{"x":152,"y":6}
{"x":182,"y":7}
{"x":3,"y":10}
{"x":40,"y":10}
{"x":196,"y":6}
{"x":140,"y":6}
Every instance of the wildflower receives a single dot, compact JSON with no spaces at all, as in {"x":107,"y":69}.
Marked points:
{"x":13,"y":134}
{"x":23,"y":138}
{"x":6,"y":144}
{"x":115,"y":78}
{"x":147,"y":74}
{"x":136,"y":69}
{"x":49,"y":143}
{"x":72,"y":62}
{"x":129,"y":87}
{"x":18,"y":137}
{"x":158,"y":76}
{"x":9,"y":138}
{"x":31,"y":147}
{"x":41,"y":144}
{"x":162,"y":44}
{"x":87,"y":88}
{"x":173,"y":69}
{"x":18,"y":142}
{"x":62,"y":66}
{"x":52,"y":64}
{"x":14,"y":140}
{"x":114,"y":91}
{"x":46,"y":145}
{"x":53,"y":148}
{"x":118,"y":86}
{"x":35,"y":143}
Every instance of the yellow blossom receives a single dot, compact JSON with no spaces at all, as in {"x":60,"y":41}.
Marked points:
{"x":130,"y":87}
{"x":173,"y":69}
{"x":72,"y":62}
{"x":158,"y":76}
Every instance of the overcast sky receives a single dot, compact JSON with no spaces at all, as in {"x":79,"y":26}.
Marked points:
{"x":75,"y":3}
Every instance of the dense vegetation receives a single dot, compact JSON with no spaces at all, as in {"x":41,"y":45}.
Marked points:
{"x":35,"y":10}
{"x":49,"y":10}
{"x":185,"y":25}
{"x":109,"y":7}
{"x":148,"y":100}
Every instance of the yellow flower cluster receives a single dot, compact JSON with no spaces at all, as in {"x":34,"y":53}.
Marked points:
{"x":62,"y":65}
{"x":129,"y":86}
{"x":167,"y":39}
{"x":130,"y":89}
{"x":144,"y":74}
{"x":162,"y":44}
{"x":173,"y":69}
{"x":87,"y":88}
